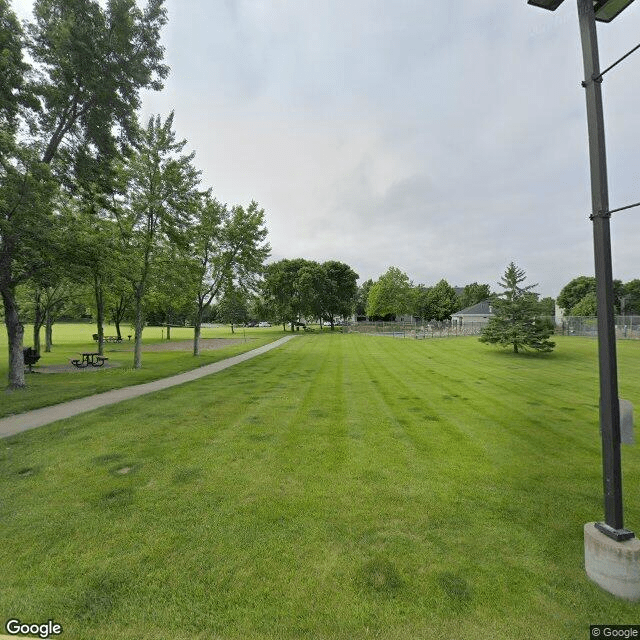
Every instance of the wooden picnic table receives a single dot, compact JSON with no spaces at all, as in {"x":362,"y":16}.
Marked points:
{"x":89,"y":358}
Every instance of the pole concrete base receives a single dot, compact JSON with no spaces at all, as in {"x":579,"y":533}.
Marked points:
{"x":614,"y":566}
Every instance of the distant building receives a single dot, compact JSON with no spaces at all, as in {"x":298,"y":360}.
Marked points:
{"x":560,"y":316}
{"x":476,"y":315}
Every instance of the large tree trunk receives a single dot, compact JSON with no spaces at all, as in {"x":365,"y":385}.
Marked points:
{"x":37,"y":320}
{"x":36,"y":337}
{"x":196,"y":337}
{"x":139,"y":326}
{"x":15,"y":333}
{"x":99,"y":296}
{"x":118,"y":314}
{"x":48,"y":332}
{"x":138,"y":296}
{"x":197,"y":324}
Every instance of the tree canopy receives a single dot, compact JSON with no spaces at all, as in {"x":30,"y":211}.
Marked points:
{"x":473,"y":294}
{"x":573,"y":292}
{"x":578,"y":297}
{"x":341,"y":290}
{"x":299,"y":288}
{"x":390,"y":294}
{"x":442,"y":301}
{"x":161,"y":199}
{"x":65,"y":114}
{"x":631,"y":292}
{"x":227,"y":252}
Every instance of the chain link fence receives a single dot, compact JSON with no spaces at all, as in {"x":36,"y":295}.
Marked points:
{"x":627,"y":328}
{"x":416,"y":330}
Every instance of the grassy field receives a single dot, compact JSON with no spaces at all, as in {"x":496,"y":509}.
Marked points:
{"x":72,"y":339}
{"x":339,"y":487}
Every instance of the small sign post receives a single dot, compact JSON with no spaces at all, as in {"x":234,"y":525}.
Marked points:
{"x":627,"y":435}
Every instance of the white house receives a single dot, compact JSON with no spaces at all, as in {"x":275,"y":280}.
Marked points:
{"x":478,"y":315}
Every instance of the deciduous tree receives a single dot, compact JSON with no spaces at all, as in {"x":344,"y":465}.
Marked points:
{"x":586,"y":307}
{"x":25,"y":188}
{"x":363,"y":297}
{"x":631,"y":292}
{"x":91,"y":254}
{"x":233,"y":308}
{"x":473,"y":294}
{"x":281,"y":291}
{"x":313,"y":288}
{"x":421,"y":303}
{"x":227,"y":250}
{"x":442,"y":301}
{"x":161,"y":201}
{"x":575,"y":291}
{"x":579,"y":296}
{"x":390,"y":295}
{"x":341,"y":289}
{"x":89,"y":65}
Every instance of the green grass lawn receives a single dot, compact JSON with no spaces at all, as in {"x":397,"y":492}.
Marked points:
{"x":71,"y":339}
{"x":339,"y":487}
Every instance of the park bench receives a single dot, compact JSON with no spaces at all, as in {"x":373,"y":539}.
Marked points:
{"x":31,"y":356}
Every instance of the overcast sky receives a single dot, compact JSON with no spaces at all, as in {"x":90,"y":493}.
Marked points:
{"x":446,"y":139}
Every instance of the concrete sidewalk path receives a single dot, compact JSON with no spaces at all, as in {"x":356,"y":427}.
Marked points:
{"x":39,"y":417}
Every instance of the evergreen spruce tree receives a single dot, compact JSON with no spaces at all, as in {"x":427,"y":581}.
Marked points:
{"x":516,"y":320}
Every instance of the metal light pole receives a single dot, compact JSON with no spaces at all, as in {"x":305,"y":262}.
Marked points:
{"x":588,"y":12}
{"x":609,"y":403}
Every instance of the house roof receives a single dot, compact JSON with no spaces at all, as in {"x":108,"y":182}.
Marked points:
{"x":480,"y":309}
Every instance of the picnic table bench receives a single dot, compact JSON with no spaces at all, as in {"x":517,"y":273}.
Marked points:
{"x":89,"y":358}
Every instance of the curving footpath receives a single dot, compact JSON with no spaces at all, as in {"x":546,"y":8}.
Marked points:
{"x":38,"y":417}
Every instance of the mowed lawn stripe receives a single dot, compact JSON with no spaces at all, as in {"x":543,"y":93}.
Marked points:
{"x":431,"y":409}
{"x":326,"y":490}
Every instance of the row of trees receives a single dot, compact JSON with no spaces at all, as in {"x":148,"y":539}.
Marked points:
{"x":393,"y":294}
{"x":578,"y":297}
{"x":520,"y":319}
{"x":89,"y":199}
{"x":299,"y":288}
{"x":65,"y":117}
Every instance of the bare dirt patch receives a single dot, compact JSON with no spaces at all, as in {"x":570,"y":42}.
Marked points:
{"x":206,"y":344}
